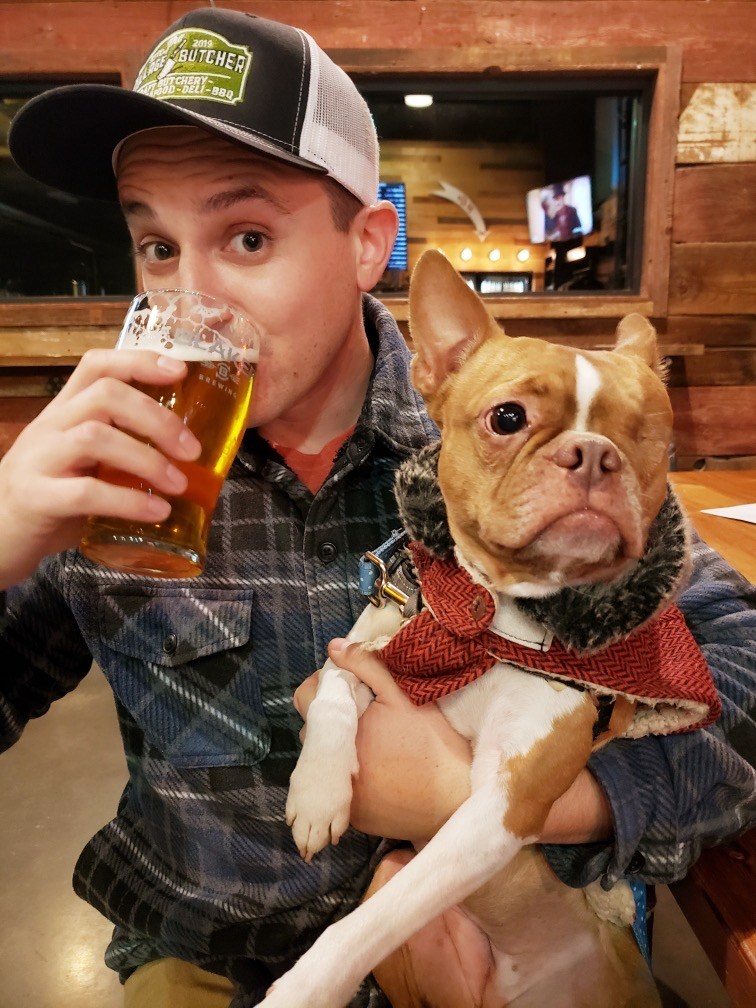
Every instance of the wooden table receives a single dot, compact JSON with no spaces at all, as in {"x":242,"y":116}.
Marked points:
{"x":735,"y":540}
{"x":718,"y":896}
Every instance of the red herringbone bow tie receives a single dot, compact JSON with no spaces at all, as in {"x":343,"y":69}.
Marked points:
{"x":435,"y":654}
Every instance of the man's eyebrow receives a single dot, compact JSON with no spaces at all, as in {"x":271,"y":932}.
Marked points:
{"x":134,"y":208}
{"x":230,"y":197}
{"x":218,"y":201}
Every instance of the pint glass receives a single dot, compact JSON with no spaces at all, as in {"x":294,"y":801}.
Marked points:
{"x":220,"y":348}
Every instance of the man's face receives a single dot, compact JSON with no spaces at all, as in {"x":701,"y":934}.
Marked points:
{"x":208,"y":215}
{"x":605,"y":271}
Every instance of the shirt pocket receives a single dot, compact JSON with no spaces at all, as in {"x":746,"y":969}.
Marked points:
{"x":180,"y":661}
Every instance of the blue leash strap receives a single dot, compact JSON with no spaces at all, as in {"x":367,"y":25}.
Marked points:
{"x":640,"y":925}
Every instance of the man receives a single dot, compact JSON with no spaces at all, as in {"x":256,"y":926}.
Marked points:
{"x":235,"y":181}
{"x":599,"y":272}
{"x":563,"y":222}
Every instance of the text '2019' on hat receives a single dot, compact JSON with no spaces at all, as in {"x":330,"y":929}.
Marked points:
{"x":263,"y":84}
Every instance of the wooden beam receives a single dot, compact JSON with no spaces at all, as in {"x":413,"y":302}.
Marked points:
{"x":717,"y":38}
{"x":715,"y":421}
{"x":34,"y":347}
{"x":544,"y":306}
{"x":712,"y":279}
{"x":730,"y":331}
{"x":67,"y":312}
{"x":718,"y":124}
{"x":714,"y":203}
{"x":714,"y":366}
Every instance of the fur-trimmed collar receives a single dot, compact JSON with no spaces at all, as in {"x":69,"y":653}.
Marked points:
{"x":584,"y":618}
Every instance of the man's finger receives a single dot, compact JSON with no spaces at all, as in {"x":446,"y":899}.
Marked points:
{"x":367,"y":666}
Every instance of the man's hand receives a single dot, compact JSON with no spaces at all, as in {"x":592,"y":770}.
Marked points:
{"x":415,"y":769}
{"x":48,"y":478}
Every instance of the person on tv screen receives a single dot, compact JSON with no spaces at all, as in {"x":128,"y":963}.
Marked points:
{"x":562,"y":221}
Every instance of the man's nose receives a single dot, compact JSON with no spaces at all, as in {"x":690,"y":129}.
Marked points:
{"x":194,"y":272}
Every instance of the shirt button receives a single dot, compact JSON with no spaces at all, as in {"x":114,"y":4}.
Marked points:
{"x":170,"y":644}
{"x":355,"y":451}
{"x":327,"y":552}
{"x":637,"y":863}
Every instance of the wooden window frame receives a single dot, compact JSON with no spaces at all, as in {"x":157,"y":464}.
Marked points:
{"x":58,"y":331}
{"x":661,"y":63}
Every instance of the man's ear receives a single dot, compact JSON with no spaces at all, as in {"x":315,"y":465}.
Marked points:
{"x":375,"y":227}
{"x":447,"y":321}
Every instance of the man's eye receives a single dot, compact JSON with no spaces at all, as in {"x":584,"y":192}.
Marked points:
{"x":161,"y":251}
{"x":506,"y":418}
{"x":154,"y":251}
{"x":249,"y":241}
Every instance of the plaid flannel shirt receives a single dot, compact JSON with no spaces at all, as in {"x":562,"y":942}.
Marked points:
{"x":198,"y":862}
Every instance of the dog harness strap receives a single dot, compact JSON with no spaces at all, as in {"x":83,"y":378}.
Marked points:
{"x":449,"y":645}
{"x":605,"y":708}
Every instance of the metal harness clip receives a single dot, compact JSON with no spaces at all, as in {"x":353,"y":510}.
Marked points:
{"x":382,"y":587}
{"x":380,"y":570}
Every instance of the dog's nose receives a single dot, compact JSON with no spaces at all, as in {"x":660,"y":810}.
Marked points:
{"x":589,"y":457}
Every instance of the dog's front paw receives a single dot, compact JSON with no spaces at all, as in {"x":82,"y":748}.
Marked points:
{"x":317,"y":808}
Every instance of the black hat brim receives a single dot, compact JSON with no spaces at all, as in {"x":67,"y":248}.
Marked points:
{"x":66,"y":137}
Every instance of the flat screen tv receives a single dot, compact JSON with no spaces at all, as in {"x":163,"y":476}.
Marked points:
{"x":561,"y":211}
{"x":396,"y":193}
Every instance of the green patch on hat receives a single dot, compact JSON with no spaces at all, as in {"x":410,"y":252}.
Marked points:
{"x":195,"y":64}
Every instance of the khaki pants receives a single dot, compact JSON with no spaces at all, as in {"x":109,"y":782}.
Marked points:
{"x":172,"y":983}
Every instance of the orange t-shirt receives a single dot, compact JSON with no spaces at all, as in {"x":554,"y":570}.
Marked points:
{"x":312,"y":469}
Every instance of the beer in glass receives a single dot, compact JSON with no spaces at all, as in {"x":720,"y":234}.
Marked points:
{"x":220,"y":348}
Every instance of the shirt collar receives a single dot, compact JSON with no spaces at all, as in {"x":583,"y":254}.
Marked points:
{"x":392,"y":410}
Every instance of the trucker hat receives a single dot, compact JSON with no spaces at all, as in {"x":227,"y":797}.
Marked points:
{"x":264,"y":84}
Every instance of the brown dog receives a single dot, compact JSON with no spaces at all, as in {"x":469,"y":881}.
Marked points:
{"x":559,"y":554}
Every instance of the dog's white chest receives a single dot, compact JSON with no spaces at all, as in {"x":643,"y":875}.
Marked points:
{"x":507,"y":708}
{"x":505,"y":693}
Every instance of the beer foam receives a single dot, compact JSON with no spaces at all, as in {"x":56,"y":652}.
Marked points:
{"x":194,"y":354}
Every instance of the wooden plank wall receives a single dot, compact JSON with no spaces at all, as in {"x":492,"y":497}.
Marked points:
{"x":494,"y":176}
{"x":713,"y":262}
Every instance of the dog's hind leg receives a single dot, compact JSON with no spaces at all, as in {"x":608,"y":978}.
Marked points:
{"x":528,"y":757}
{"x":445,"y":964}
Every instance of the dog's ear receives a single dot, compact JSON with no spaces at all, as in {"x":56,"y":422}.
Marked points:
{"x":637,"y":337}
{"x":447,"y":321}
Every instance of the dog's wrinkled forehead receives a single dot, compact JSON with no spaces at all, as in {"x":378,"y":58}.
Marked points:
{"x":558,"y":387}
{"x":450,"y":326}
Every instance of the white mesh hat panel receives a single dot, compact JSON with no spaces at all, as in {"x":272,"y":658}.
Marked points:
{"x":338,"y":131}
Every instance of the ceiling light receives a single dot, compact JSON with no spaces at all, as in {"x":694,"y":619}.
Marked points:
{"x":494,"y":255}
{"x":466,"y":254}
{"x":523,"y":255}
{"x":418,"y":100}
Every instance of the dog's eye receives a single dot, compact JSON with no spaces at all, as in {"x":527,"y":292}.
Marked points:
{"x":507,"y":418}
